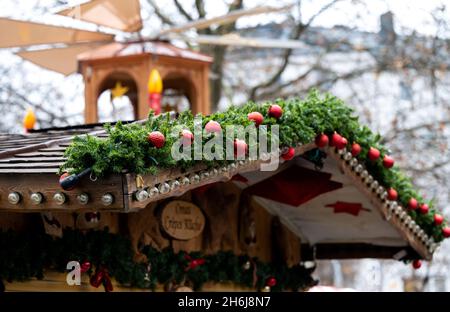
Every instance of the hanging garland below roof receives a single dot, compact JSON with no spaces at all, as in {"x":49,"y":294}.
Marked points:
{"x":104,"y":256}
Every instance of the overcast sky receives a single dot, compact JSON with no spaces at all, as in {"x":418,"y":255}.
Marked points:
{"x":411,"y":14}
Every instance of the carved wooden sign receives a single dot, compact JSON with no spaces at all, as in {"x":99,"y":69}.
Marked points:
{"x":182,"y":220}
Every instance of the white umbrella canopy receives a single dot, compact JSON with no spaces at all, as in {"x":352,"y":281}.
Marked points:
{"x":117,"y":14}
{"x":14,"y":33}
{"x":61,"y":60}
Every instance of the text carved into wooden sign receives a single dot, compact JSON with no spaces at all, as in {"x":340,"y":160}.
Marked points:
{"x":182,"y":220}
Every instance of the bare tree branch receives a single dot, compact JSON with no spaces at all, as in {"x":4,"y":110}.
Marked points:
{"x":182,"y":10}
{"x":295,"y":35}
{"x":162,"y":17}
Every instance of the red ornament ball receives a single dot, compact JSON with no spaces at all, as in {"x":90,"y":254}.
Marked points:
{"x":156,"y":138}
{"x":187,"y":137}
{"x":438,"y":219}
{"x":275,"y":111}
{"x":412,"y":204}
{"x":392,"y":194}
{"x":256,"y":117}
{"x":321,"y":140}
{"x":342,"y":143}
{"x":388,"y":161}
{"x":424,"y":209}
{"x":373,"y":154}
{"x":62,"y":177}
{"x":356,"y":149}
{"x":417,"y":264}
{"x":85,"y":266}
{"x":213,"y":126}
{"x":289,"y":154}
{"x":240,"y":148}
{"x":271,"y":281}
{"x":336,"y":139}
{"x":446,"y":232}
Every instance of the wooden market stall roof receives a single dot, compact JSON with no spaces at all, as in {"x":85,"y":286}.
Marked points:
{"x":32,"y":161}
{"x":153,"y":48}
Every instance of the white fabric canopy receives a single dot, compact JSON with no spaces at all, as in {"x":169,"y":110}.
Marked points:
{"x":118,"y":14}
{"x":61,"y":60}
{"x":316,"y":221}
{"x":14,"y":33}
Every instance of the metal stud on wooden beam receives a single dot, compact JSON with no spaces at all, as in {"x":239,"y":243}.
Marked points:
{"x":14,"y":198}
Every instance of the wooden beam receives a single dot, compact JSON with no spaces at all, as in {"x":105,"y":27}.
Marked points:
{"x":48,"y":185}
{"x":354,"y":251}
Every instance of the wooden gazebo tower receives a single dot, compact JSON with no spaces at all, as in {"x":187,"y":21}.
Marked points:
{"x":183,"y":70}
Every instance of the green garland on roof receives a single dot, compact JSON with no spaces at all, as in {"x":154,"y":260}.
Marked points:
{"x":29,"y":255}
{"x":127,"y":148}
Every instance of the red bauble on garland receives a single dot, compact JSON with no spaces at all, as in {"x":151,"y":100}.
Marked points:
{"x":356,"y":149}
{"x":373,"y":154}
{"x":438,"y":219}
{"x":156,"y":138}
{"x":256,"y":117}
{"x":342,"y":143}
{"x":187,"y":137}
{"x":240,"y":148}
{"x":271,"y":281}
{"x":392,"y":194}
{"x":275,"y":111}
{"x":412,"y":204}
{"x":289,"y":154}
{"x":417,"y":264}
{"x":321,"y":140}
{"x":388,"y":161}
{"x":213,"y":126}
{"x":446,"y":232}
{"x":424,"y":209}
{"x":335,"y":139}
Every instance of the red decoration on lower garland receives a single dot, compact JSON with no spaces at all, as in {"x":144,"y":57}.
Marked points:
{"x":271,"y":281}
{"x":417,"y":264}
{"x":85,"y":266}
{"x":101,"y":276}
{"x":193,"y":263}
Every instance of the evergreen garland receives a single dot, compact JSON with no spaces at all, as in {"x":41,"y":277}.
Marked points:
{"x":127,"y":149}
{"x":29,"y":255}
